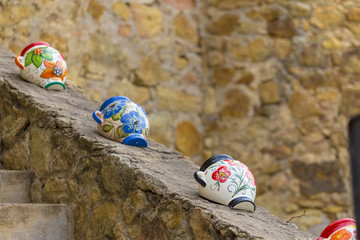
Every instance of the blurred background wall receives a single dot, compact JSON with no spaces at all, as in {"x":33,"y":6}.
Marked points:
{"x":270,"y":82}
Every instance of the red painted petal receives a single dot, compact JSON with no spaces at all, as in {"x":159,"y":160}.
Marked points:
{"x":215,"y":176}
{"x":49,"y":64}
{"x":47,"y":73}
{"x":222,"y":180}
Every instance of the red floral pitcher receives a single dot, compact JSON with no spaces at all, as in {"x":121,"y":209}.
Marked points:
{"x":342,"y":229}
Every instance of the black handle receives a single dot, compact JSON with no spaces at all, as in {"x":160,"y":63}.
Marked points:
{"x":199,"y":180}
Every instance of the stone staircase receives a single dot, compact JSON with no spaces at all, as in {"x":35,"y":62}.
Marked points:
{"x":22,"y":220}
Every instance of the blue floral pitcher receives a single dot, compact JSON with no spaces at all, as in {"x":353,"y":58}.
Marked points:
{"x":122,"y":120}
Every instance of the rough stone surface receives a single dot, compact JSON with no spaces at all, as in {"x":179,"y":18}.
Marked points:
{"x":103,"y":219}
{"x":324,"y":176}
{"x":115,"y":190}
{"x":269,"y":92}
{"x":40,"y":222}
{"x":188,"y":139}
{"x":327,"y":16}
{"x":15,"y":186}
{"x":230,"y":4}
{"x":183,"y":29}
{"x":237,"y":104}
{"x":302,"y":106}
{"x":150,"y":72}
{"x":282,"y":28}
{"x":224,"y":25}
{"x":349,"y":106}
{"x":148,"y":20}
{"x":172,"y":99}
{"x":256,"y":51}
{"x":182,"y":4}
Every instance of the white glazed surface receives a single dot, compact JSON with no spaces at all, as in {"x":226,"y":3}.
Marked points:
{"x":227,"y":180}
{"x":121,"y":119}
{"x":33,"y":74}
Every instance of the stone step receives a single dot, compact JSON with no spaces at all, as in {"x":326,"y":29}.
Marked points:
{"x":14,"y":186}
{"x":20,"y":221}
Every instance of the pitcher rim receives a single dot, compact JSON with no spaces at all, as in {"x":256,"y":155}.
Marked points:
{"x":334,"y":226}
{"x":33,"y":45}
{"x":111,"y":100}
{"x":214,"y":159}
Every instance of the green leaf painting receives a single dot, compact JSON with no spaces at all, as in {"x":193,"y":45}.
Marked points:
{"x":37,"y":56}
{"x":50,"y":50}
{"x":37,"y":60}
{"x":28,"y":59}
{"x":107,"y":128}
{"x":120,"y":132}
{"x":115,"y":117}
{"x":47,"y":56}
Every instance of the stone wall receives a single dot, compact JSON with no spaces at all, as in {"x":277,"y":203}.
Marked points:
{"x":285,"y":76}
{"x":270,"y":82}
{"x":113,"y":191}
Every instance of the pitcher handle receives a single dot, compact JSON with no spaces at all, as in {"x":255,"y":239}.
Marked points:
{"x":18,"y":61}
{"x":97,"y":116}
{"x":200,"y":178}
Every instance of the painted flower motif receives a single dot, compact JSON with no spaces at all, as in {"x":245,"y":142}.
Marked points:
{"x":133,"y":122}
{"x":37,"y":55}
{"x":342,"y":234}
{"x":54,"y":70}
{"x":221,"y":174}
{"x":114,"y":109}
{"x":231,"y":162}
{"x":234,"y":163}
{"x":251,"y":177}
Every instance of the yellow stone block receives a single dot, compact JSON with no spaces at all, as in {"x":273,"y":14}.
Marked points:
{"x":103,"y":219}
{"x":353,"y":14}
{"x":121,"y":10}
{"x":231,"y":4}
{"x":256,"y":51}
{"x":148,"y":20}
{"x":188,"y":139}
{"x":184,"y":29}
{"x":333,"y":43}
{"x":269,"y":92}
{"x":225,"y":25}
{"x":95,"y":9}
{"x":283,"y":47}
{"x":303,"y":106}
{"x":325,"y":17}
{"x":180,"y":62}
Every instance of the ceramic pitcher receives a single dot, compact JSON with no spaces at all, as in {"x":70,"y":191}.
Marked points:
{"x":42,"y":65}
{"x":122,"y":120}
{"x":342,"y":229}
{"x":227,"y":181}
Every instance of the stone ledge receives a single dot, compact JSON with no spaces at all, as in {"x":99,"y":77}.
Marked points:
{"x":113,"y":191}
